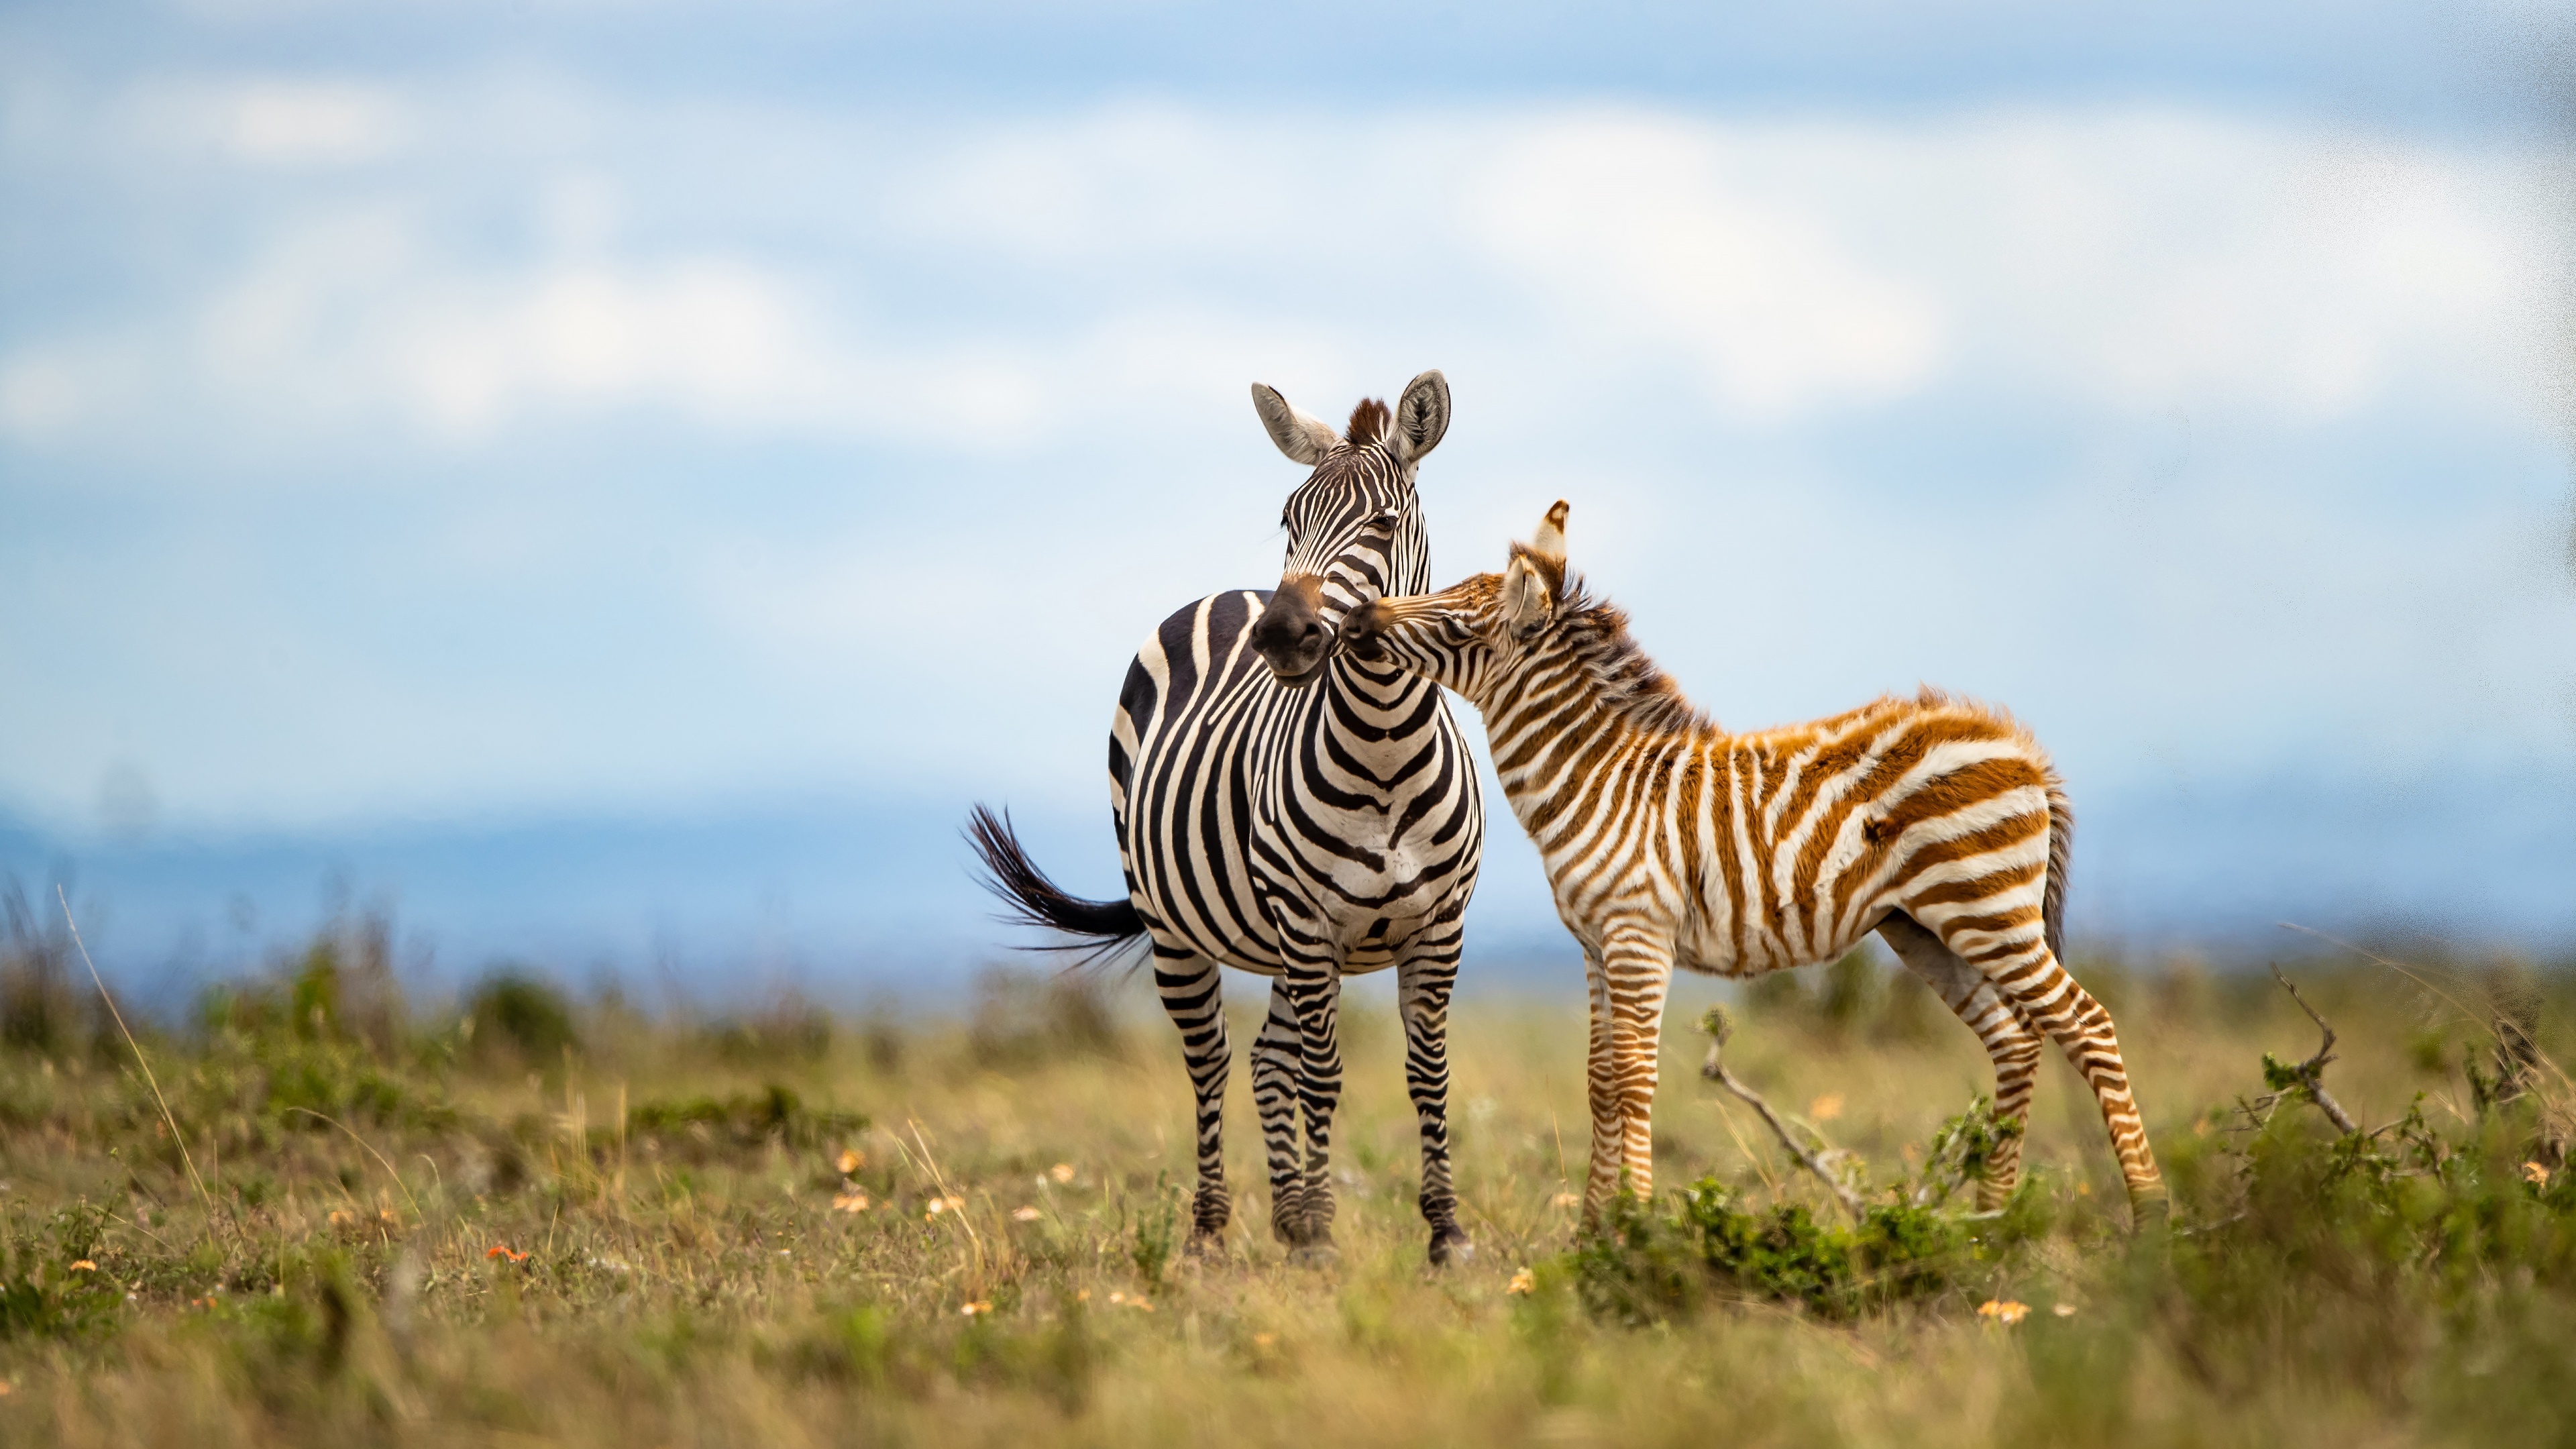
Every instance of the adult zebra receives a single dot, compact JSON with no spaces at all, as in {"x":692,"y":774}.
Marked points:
{"x":1283,"y":807}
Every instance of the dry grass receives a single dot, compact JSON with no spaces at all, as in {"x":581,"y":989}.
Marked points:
{"x":698,"y":1268}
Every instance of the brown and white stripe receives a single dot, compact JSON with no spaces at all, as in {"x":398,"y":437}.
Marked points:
{"x":1935,"y":821}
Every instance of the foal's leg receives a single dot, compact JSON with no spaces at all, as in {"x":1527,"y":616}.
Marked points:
{"x":2009,"y":950}
{"x":1636,"y":973}
{"x":2009,"y":1040}
{"x":2056,"y":1004}
{"x":1601,"y":1084}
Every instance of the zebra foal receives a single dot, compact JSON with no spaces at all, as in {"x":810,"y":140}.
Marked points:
{"x":1936,"y":822}
{"x":1286,"y":808}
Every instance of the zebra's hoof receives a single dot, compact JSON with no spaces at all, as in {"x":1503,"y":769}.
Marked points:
{"x":1203,"y":1245}
{"x":1451,"y":1247}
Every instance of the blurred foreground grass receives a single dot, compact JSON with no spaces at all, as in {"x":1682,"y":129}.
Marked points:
{"x":526,"y":1219}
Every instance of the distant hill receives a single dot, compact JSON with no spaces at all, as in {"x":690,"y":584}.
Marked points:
{"x":846,"y":898}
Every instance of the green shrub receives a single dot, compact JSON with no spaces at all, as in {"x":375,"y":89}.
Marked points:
{"x":743,"y":1121}
{"x":50,"y":1287}
{"x":1646,"y":1266}
{"x":790,"y":1029}
{"x":513,"y":1013}
{"x":40,"y":1009}
{"x":1022,"y":1019}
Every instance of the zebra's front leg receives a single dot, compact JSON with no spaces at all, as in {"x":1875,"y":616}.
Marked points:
{"x":1274,"y":1099}
{"x":1423,"y":985}
{"x":1192,"y":989}
{"x":1314,"y":991}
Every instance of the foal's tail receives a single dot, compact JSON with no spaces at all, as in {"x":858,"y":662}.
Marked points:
{"x":2061,"y":845}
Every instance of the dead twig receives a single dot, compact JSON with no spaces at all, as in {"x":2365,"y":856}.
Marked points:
{"x":1719,"y":1027}
{"x":2309,"y":1076}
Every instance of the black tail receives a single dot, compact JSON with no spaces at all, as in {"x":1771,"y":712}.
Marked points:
{"x":1106,"y":926}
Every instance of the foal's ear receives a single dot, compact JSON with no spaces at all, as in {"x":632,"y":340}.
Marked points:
{"x":1528,"y":603}
{"x":1421,"y":417}
{"x":1549,"y":542}
{"x":1304,"y":439}
{"x":1532,"y":580}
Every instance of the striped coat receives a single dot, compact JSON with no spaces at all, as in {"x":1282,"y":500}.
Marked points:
{"x":1936,"y":822}
{"x":1286,"y":808}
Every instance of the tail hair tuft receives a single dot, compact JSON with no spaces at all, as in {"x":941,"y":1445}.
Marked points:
{"x":1105,"y":928}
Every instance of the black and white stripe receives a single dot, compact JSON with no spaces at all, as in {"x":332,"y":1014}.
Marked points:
{"x":1286,"y":808}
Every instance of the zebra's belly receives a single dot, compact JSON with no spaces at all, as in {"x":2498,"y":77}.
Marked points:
{"x":1376,"y":911}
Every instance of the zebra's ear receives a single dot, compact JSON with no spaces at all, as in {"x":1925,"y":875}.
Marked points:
{"x":1304,"y":439}
{"x":1421,"y":417}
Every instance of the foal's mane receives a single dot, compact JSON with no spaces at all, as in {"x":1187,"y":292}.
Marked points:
{"x":1633,"y":686}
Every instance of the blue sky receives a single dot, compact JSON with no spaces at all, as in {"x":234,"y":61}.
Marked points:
{"x":465,"y":417}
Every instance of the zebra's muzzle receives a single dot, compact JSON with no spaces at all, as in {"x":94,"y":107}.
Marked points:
{"x":1291,"y":636}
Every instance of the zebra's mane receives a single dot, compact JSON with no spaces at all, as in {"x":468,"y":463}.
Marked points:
{"x":1625,"y":680}
{"x":1368,"y":424}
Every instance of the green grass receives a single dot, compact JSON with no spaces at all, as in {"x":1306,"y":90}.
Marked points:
{"x":512,"y":1220}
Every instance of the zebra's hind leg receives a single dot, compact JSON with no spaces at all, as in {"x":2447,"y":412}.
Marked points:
{"x":1192,"y":989}
{"x":1274,"y":1099}
{"x":2009,"y":1041}
{"x":1423,"y":985}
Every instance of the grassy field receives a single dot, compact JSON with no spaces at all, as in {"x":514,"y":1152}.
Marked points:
{"x":513,"y":1220}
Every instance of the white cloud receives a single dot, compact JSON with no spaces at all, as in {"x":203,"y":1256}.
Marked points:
{"x":2155,"y":258}
{"x":351,"y":321}
{"x":1633,"y":230}
{"x":300,"y":123}
{"x":1792,"y":270}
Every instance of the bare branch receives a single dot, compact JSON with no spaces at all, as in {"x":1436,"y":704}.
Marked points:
{"x":1719,"y":1027}
{"x":2311,"y":1073}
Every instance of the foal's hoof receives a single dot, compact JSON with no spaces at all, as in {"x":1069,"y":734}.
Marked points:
{"x":1203,"y":1245}
{"x":1451,"y":1246}
{"x":1318,"y":1254}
